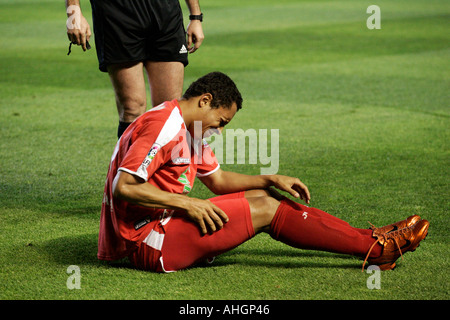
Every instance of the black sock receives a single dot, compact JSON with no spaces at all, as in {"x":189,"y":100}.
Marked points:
{"x":122,"y":127}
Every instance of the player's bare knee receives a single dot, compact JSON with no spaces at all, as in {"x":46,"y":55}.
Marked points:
{"x":263,"y":210}
{"x":256,"y":193}
{"x":270,"y":192}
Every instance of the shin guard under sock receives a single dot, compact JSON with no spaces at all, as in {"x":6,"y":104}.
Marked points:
{"x":310,"y":228}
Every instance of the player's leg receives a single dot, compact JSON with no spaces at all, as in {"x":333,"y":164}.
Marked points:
{"x":165,"y":79}
{"x":284,"y":220}
{"x":287,"y":221}
{"x":185,"y":246}
{"x":182,"y":242}
{"x":256,"y":193}
{"x":304,"y":227}
{"x":310,"y":228}
{"x":275,"y":194}
{"x":130,"y":92}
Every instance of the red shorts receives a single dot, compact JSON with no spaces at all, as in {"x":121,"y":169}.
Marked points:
{"x":175,"y":242}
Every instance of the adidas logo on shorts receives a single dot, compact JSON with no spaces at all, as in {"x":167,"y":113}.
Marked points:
{"x":183,"y":49}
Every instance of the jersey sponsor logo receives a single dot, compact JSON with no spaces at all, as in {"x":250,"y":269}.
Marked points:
{"x":151,"y":154}
{"x":185,"y":181}
{"x":140,"y":223}
{"x":181,"y":160}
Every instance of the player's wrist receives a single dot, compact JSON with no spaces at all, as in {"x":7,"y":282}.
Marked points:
{"x":270,"y":180}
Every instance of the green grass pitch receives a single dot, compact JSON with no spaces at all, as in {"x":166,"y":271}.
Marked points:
{"x":363,"y":119}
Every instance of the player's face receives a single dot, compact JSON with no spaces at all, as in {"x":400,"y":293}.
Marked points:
{"x":215,"y":119}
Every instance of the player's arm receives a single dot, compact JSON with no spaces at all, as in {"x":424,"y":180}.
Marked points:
{"x":223,"y":182}
{"x":137,"y":191}
{"x":194,"y":29}
{"x":78,"y":29}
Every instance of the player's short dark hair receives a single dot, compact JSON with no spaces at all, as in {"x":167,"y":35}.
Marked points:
{"x":220,"y":86}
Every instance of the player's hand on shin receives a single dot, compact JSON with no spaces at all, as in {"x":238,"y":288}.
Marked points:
{"x":293,"y":186}
{"x":208,"y":216}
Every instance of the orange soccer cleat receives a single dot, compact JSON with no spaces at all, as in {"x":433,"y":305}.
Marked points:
{"x":409,"y":222}
{"x":397,"y":242}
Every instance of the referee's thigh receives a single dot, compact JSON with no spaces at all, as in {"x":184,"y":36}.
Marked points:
{"x":129,"y":87}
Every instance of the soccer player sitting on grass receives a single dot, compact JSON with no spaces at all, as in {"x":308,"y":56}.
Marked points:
{"x":147,"y":215}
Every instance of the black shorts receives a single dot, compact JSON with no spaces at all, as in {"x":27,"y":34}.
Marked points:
{"x":138,"y":30}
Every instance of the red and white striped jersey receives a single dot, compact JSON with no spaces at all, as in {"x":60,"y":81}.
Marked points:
{"x":157,"y":148}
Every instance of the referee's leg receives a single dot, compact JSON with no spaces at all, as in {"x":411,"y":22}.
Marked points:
{"x":129,"y":88}
{"x":165,"y":79}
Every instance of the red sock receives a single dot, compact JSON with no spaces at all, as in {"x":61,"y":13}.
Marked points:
{"x":309,"y":228}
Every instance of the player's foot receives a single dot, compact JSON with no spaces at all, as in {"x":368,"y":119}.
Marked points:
{"x":409,"y":222}
{"x":396,"y":243}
